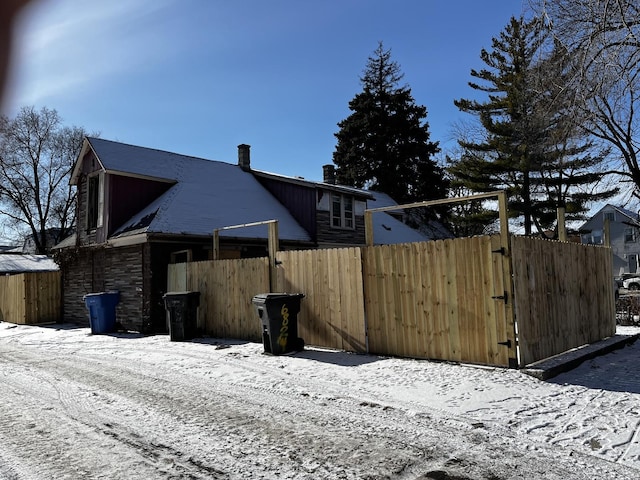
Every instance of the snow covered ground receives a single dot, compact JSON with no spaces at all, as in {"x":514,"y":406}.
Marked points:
{"x":126,"y":406}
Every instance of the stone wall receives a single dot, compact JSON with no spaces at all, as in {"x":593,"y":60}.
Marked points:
{"x":93,"y":270}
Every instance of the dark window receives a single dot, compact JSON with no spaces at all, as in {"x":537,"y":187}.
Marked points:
{"x":629,"y":235}
{"x":94,"y":201}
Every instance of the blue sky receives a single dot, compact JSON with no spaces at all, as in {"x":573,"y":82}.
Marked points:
{"x":199,"y":77}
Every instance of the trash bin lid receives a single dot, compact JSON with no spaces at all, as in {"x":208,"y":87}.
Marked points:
{"x":272,"y":296}
{"x":103,"y":294}
{"x":181,"y":294}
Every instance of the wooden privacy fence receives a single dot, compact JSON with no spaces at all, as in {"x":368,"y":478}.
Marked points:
{"x":456,"y":299}
{"x":563,"y":296}
{"x":442,"y":300}
{"x":333,"y":307}
{"x":31,"y":298}
{"x":226,"y":288}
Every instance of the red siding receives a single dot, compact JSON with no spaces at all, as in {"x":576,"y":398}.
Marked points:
{"x":299,"y":200}
{"x":127,"y":196}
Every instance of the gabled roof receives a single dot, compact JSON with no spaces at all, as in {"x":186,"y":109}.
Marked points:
{"x":206,"y":195}
{"x":11,"y":263}
{"x":596,"y":221}
{"x":313,"y":184}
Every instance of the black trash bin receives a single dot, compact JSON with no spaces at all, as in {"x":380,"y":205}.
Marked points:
{"x":279,"y":315}
{"x":102,"y":311}
{"x":182,"y":308}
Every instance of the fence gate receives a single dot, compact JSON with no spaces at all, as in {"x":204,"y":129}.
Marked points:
{"x":443,"y":300}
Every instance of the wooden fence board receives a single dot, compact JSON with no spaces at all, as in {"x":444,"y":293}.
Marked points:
{"x":434,"y":300}
{"x":450,"y":299}
{"x":332,"y":312}
{"x":564,"y":296}
{"x":226,"y":288}
{"x":31,"y":298}
{"x":12,"y":299}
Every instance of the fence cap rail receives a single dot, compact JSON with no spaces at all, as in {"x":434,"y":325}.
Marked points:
{"x":442,"y":201}
{"x":244,"y":225}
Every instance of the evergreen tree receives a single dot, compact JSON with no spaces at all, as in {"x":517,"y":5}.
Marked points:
{"x":384,"y":144}
{"x":470,"y":218}
{"x":531,"y":145}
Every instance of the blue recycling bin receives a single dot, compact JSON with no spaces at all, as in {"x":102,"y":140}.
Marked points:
{"x":102,"y":311}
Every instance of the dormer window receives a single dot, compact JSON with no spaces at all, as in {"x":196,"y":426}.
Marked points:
{"x":95,"y":201}
{"x":342,"y":211}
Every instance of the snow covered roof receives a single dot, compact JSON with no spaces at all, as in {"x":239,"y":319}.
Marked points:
{"x":312,"y":183}
{"x":207,"y":195}
{"x":381,"y":200}
{"x":389,"y":230}
{"x":20,"y":263}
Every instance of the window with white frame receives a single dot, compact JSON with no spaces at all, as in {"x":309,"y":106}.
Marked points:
{"x":629,"y":235}
{"x":95,"y":201}
{"x":342,"y":211}
{"x":595,"y":238}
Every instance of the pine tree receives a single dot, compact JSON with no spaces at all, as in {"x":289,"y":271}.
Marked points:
{"x":384,"y":144}
{"x":531,"y":145}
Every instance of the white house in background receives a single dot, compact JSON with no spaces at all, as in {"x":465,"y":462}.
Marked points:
{"x":624,"y":228}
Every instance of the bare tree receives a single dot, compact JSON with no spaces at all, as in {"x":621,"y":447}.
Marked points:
{"x":37,"y":154}
{"x":603,"y":38}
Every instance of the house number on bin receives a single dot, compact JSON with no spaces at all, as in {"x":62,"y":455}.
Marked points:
{"x":284,"y":329}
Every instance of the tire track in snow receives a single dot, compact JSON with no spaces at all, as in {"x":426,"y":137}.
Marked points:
{"x":260,"y":422}
{"x":86,"y":413}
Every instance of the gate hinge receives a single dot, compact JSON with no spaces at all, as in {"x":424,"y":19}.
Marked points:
{"x":504,"y":297}
{"x":506,"y":344}
{"x":501,"y":251}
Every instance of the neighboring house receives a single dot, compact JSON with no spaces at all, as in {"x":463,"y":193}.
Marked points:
{"x":334,"y":214}
{"x":624,"y":229}
{"x":140,"y":209}
{"x":14,"y":263}
{"x":52,"y":237}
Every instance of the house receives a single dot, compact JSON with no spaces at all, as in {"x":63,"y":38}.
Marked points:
{"x":140,"y":209}
{"x":624,"y":228}
{"x":334,"y":214}
{"x":52,"y":236}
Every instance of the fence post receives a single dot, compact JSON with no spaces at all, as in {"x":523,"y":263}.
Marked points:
{"x":216,"y":244}
{"x":562,"y":228}
{"x":368,"y":228}
{"x":273,"y":249}
{"x":507,"y":271}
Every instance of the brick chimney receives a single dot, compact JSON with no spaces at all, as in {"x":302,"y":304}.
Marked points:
{"x":244,"y":157}
{"x":329,"y":174}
